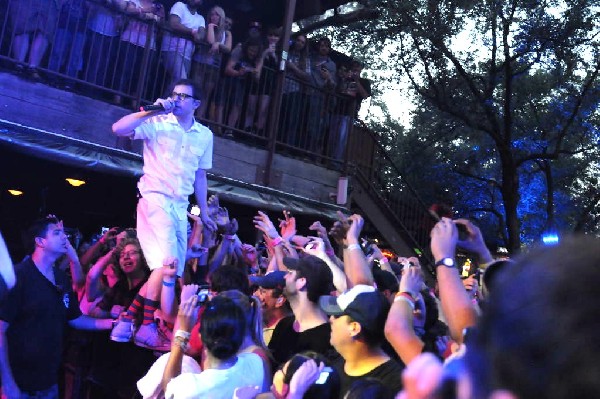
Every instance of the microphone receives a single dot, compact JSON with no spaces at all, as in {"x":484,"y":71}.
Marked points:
{"x":152,"y":107}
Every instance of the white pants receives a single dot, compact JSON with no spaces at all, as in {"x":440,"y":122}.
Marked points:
{"x":161,"y":234}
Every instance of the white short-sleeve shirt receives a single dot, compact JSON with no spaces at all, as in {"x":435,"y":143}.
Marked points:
{"x":172,"y":156}
{"x":192,"y":21}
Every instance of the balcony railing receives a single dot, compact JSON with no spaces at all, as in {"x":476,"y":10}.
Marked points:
{"x":130,"y":60}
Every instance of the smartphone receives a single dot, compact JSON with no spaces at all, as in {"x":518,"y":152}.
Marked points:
{"x":195,"y":210}
{"x":463,"y":233}
{"x":203,"y":294}
{"x":324,"y":376}
{"x":104,"y":230}
{"x":406,"y":265}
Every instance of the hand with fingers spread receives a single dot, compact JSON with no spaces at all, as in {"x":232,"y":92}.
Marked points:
{"x":264,"y":224}
{"x":221,"y":218}
{"x":287,"y":225}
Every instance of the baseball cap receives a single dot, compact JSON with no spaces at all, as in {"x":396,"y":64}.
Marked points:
{"x":363,"y":303}
{"x":275,"y":279}
{"x":319,"y":279}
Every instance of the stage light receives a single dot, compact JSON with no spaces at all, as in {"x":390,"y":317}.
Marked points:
{"x":550,"y":238}
{"x":16,"y":193}
{"x":75,"y":182}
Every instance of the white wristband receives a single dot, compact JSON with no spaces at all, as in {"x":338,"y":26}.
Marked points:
{"x":352,"y":246}
{"x":183,"y":334}
{"x":404,"y":299}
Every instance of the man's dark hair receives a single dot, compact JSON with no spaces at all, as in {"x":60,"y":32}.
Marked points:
{"x":223,"y":327}
{"x":38,"y":228}
{"x":196,"y":92}
{"x":324,"y":39}
{"x":229,"y":277}
{"x":538,"y":337}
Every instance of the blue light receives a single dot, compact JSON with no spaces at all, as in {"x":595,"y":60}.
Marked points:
{"x":550,"y":238}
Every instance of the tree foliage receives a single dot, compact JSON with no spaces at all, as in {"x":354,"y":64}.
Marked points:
{"x":507,"y":91}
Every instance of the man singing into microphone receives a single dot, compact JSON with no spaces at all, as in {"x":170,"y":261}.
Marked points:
{"x":177,"y":152}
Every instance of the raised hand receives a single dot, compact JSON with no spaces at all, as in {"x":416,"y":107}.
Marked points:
{"x":356,"y":224}
{"x":221,"y":218}
{"x":444,"y":236}
{"x":316,"y":247}
{"x":231,"y":228}
{"x":287,"y":225}
{"x":411,"y":281}
{"x":264,"y":224}
{"x":340,"y":228}
{"x":319,"y":228}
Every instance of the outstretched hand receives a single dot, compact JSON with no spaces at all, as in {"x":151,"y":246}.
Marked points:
{"x":264,"y":224}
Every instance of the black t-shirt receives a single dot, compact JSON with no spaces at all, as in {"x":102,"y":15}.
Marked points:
{"x":389,"y":373}
{"x":37,"y":313}
{"x":286,"y":342}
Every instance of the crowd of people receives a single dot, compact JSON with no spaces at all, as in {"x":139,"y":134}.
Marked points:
{"x":139,"y":48}
{"x":180,"y":307}
{"x":297,"y":321}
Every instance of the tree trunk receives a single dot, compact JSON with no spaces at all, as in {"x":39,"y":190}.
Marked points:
{"x":511,"y":197}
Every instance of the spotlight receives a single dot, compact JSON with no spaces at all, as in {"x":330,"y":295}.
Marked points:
{"x":16,"y":193}
{"x":550,"y":238}
{"x":75,"y":182}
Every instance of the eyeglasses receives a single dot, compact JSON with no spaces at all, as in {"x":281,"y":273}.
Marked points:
{"x":181,"y":96}
{"x":129,"y":254}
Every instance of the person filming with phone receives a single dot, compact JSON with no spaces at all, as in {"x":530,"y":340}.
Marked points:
{"x":177,"y":152}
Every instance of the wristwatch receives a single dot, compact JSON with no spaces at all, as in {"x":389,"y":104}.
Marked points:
{"x":448,"y":262}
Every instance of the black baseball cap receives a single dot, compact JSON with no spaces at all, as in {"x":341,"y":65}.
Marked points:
{"x":363,"y":303}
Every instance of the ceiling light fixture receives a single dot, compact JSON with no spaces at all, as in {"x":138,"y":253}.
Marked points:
{"x":75,"y":182}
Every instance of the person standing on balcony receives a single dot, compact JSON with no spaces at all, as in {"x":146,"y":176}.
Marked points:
{"x":293,"y":104}
{"x":33,"y":24}
{"x":187,"y":26}
{"x":177,"y":153}
{"x":323,"y":72}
